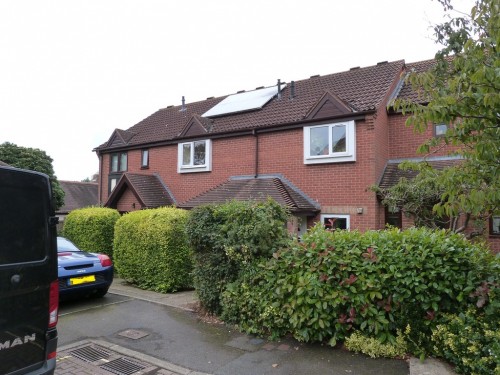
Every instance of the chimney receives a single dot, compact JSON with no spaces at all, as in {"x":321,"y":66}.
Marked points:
{"x":183,"y":108}
{"x":279,"y":89}
{"x":292,"y":90}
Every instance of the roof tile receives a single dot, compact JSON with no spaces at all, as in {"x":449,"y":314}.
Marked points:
{"x":361,"y":90}
{"x":259,"y":189}
{"x":393,"y":173}
{"x":78,"y":195}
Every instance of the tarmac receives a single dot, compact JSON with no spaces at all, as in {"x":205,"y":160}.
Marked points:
{"x":69,"y":364}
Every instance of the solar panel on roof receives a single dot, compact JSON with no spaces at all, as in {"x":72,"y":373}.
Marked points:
{"x":245,"y":101}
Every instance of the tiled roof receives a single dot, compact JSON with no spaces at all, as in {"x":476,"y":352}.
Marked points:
{"x":393,"y":173}
{"x":406,"y":92}
{"x":78,"y":195}
{"x":361,"y":89}
{"x":248,"y":188}
{"x":149,"y":189}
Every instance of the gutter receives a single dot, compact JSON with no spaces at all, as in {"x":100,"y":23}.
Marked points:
{"x":250,"y":131}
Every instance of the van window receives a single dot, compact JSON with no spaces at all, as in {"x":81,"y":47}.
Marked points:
{"x":23,"y":237}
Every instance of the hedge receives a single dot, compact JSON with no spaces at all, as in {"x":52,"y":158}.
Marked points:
{"x":151,"y":249}
{"x":92,"y":228}
{"x":377,"y":283}
{"x":227,"y":237}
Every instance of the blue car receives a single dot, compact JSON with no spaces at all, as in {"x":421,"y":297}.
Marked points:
{"x":82,"y":273}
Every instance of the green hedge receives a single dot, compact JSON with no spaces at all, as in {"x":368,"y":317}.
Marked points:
{"x":376,"y":283}
{"x":151,"y":249}
{"x":92,"y":228}
{"x":227,"y":237}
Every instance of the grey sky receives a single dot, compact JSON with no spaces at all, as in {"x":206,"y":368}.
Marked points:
{"x":73,"y":71}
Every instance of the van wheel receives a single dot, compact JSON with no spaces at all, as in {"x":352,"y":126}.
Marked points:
{"x":100,"y":292}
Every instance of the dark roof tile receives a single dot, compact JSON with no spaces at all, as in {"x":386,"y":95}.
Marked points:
{"x":392,"y":173}
{"x":361,"y":90}
{"x":149,"y":189}
{"x":78,"y":195}
{"x":259,"y":189}
{"x":406,"y":92}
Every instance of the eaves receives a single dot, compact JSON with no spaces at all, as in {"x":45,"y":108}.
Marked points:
{"x":238,"y":133}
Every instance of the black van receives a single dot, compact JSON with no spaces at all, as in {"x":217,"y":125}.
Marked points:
{"x":28,"y":273}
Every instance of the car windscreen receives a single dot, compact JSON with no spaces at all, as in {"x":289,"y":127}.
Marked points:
{"x":65,"y":245}
{"x":23,"y":236}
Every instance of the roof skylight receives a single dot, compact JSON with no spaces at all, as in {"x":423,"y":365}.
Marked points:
{"x":245,"y":101}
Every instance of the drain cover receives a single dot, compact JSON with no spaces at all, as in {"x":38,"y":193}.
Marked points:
{"x":90,"y":353}
{"x":123,"y":366}
{"x":111,"y":361}
{"x":133,"y":334}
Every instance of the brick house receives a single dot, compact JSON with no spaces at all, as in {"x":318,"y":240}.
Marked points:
{"x":315,"y":145}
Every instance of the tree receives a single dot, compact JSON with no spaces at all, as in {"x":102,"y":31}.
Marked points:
{"x":33,"y":159}
{"x":94,"y":178}
{"x":463,"y":90}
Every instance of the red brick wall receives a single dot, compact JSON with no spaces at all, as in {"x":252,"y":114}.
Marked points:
{"x":494,"y":244}
{"x":128,"y":202}
{"x":404,"y":141}
{"x":340,"y":188}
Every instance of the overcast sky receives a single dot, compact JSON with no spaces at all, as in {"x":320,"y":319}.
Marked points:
{"x":73,"y":71}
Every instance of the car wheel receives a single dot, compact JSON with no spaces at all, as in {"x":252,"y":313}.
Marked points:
{"x":100,"y":292}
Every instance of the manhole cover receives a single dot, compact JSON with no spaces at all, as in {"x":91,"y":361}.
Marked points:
{"x":133,"y":334}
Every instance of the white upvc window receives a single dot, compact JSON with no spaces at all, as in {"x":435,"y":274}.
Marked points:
{"x":330,"y":143}
{"x":194,"y":156}
{"x":334,"y":221}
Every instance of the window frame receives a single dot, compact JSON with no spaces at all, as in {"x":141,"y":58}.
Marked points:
{"x":192,"y":168}
{"x":439,"y":125}
{"x":145,"y":152}
{"x":112,"y":178}
{"x":395,"y":216}
{"x":349,"y":155}
{"x":119,"y":162}
{"x":491,"y":233}
{"x":337,"y":216}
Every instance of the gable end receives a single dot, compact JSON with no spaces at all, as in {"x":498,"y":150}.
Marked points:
{"x":329,"y":105}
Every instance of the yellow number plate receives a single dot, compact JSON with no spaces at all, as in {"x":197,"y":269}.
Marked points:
{"x":81,"y":280}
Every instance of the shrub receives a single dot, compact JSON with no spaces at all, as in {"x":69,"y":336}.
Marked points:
{"x":470,"y":340}
{"x":360,"y":343}
{"x":226,"y":238}
{"x":92,"y":228}
{"x":332,"y":283}
{"x":151,"y":249}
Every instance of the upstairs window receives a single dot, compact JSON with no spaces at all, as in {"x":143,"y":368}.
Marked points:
{"x":145,"y":159}
{"x":118,"y":162}
{"x":194,"y":156}
{"x":330,"y":143}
